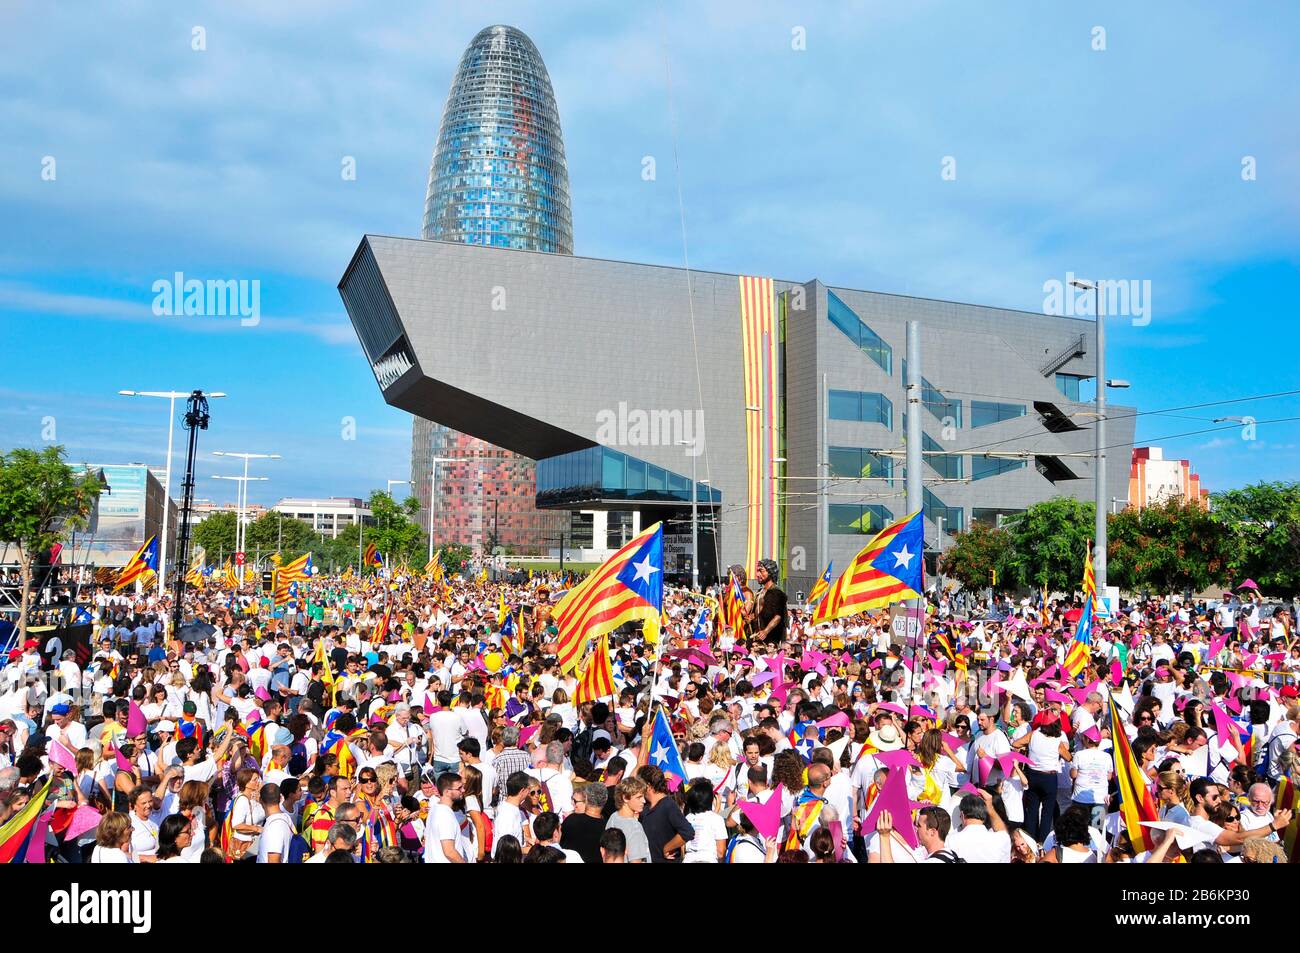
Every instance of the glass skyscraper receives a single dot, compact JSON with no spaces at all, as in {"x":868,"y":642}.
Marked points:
{"x":498,"y":177}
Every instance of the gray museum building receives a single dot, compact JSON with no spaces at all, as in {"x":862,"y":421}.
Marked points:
{"x":782,"y":403}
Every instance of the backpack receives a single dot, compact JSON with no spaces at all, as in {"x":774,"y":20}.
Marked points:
{"x":298,"y":759}
{"x":946,"y":856}
{"x":299,"y":850}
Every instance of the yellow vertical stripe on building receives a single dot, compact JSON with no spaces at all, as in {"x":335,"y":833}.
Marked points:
{"x":758,"y":342}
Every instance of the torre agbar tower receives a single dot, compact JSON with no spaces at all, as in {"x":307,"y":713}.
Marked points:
{"x":498,"y":177}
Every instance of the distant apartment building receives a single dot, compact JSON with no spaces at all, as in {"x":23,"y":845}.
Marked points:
{"x":329,"y":517}
{"x":1153,"y":479}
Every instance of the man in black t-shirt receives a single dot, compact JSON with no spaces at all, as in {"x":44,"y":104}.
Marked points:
{"x":582,"y":829}
{"x":769,"y":605}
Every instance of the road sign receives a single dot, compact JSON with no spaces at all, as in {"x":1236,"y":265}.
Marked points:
{"x":239,"y":559}
{"x":904,"y":625}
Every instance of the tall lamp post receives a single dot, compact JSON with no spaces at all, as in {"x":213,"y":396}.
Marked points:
{"x":695,"y":518}
{"x":241,"y":535}
{"x":1100,"y":496}
{"x":171,"y":396}
{"x":240,"y":495}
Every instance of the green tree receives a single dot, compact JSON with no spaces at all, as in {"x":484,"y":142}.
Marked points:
{"x":1263,"y":521}
{"x":216,"y":534}
{"x":41,"y":501}
{"x":976,"y":554}
{"x":394,"y":533}
{"x":1166,"y":548}
{"x":1048,"y":543}
{"x":274,"y":532}
{"x":341,"y":551}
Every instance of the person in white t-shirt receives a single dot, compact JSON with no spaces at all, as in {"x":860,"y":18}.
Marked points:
{"x":710,"y":842}
{"x":549,"y":773}
{"x":277,"y":829}
{"x":982,"y":837}
{"x":444,"y":841}
{"x":1091,"y":772}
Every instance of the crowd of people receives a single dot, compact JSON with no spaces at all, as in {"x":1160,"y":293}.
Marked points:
{"x":399,"y":719}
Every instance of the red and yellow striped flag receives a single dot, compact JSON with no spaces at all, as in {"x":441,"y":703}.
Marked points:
{"x":1135,"y":802}
{"x":628,"y":586}
{"x":597,"y":679}
{"x":1288,"y":796}
{"x":888,"y":570}
{"x":141,"y":566}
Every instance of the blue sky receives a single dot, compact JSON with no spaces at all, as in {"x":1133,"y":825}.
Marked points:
{"x":822,"y":162}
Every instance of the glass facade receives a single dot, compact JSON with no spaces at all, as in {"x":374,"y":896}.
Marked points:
{"x":947,"y":465}
{"x":935,"y":510}
{"x":985,"y":412}
{"x":498,"y":177}
{"x":935,"y":401}
{"x":982,"y":467}
{"x":1068,"y":384}
{"x":991,"y":516}
{"x":854,"y":463}
{"x":599,"y":474}
{"x":861,"y":406}
{"x":871,"y":343}
{"x":852,"y":519}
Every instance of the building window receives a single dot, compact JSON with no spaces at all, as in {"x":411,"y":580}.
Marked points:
{"x":855,"y":463}
{"x":985,"y":412}
{"x":618,"y":528}
{"x":982,"y":467}
{"x":871,"y":343}
{"x":992,"y":516}
{"x":861,"y":406}
{"x":947,"y":465}
{"x":936,"y":510}
{"x":935,"y":401}
{"x":1068,"y":384}
{"x":851,"y":519}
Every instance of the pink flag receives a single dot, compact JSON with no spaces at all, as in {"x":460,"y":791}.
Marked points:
{"x":122,"y":763}
{"x":61,"y":756}
{"x":526,"y":734}
{"x":837,"y":720}
{"x":136,"y":723}
{"x":36,"y":843}
{"x":893,"y":798}
{"x":766,"y":815}
{"x":85,"y":818}
{"x":1116,"y":673}
{"x":1216,"y":645}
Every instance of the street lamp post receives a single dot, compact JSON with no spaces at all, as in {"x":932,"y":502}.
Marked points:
{"x":240,"y":496}
{"x":695,"y":519}
{"x":1099,"y":476}
{"x":243,"y":499}
{"x":170,"y":396}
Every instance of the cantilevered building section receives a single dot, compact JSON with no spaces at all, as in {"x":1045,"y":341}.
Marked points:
{"x":498,"y":178}
{"x":797,"y":422}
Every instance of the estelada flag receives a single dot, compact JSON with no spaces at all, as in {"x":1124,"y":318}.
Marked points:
{"x":889,"y":569}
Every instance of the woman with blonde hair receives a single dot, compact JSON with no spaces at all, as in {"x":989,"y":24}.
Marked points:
{"x":1174,"y":796}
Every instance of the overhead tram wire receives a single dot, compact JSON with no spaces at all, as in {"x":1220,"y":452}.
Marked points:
{"x":1039,"y":432}
{"x":690,"y":293}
